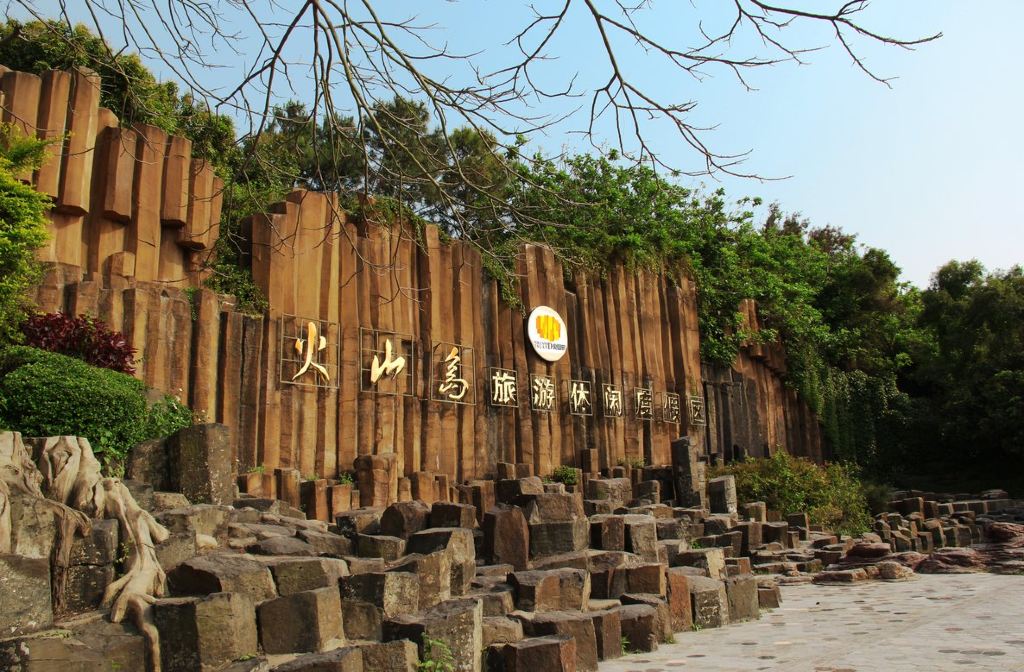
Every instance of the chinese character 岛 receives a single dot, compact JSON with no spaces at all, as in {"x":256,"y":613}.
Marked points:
{"x":452,"y":387}
{"x":542,"y":397}
{"x":307,"y":348}
{"x":504,"y":387}
{"x":579,"y":397}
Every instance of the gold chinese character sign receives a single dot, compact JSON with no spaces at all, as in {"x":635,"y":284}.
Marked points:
{"x":581,"y":401}
{"x":611,"y":401}
{"x":643,"y":403}
{"x":504,"y":387}
{"x":453,"y":374}
{"x":308,"y":355}
{"x":542,"y":393}
{"x":671,"y":411}
{"x":387,"y":362}
{"x":696,"y":408}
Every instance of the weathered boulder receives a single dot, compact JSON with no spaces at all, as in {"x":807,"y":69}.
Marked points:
{"x":346,"y":659}
{"x":577,"y":625}
{"x":536,"y":590}
{"x":295,"y":575}
{"x":641,"y":536}
{"x":26,"y":605}
{"x":458,"y":543}
{"x":501,"y":630}
{"x":680,"y":611}
{"x":722,"y":494}
{"x":404,"y":519}
{"x":617,"y":491}
{"x":457,"y":623}
{"x":358,"y":521}
{"x":558,"y":523}
{"x":216,"y":573}
{"x":639,"y":627}
{"x":201,"y":463}
{"x":199,"y":633}
{"x":453,"y":514}
{"x":607,"y":633}
{"x":380,"y":546}
{"x":551,"y":654}
{"x":710,"y":602}
{"x":302,"y":622}
{"x":608,"y":532}
{"x":507,"y":536}
{"x":711,"y":560}
{"x":433,"y":571}
{"x":400,"y":655}
{"x":741,"y":592}
{"x":367,"y":599}
{"x":96,"y":645}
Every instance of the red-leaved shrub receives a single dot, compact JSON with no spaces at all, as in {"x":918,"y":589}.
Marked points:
{"x":83,"y":337}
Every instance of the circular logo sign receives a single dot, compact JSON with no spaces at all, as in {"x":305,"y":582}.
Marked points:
{"x":547,"y":333}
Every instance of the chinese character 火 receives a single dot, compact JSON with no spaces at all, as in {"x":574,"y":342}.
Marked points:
{"x":307,"y":348}
{"x":452,"y":387}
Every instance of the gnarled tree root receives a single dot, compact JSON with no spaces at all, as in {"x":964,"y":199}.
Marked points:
{"x":67,"y":474}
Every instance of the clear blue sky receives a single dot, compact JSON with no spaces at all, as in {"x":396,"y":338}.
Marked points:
{"x":926,"y":170}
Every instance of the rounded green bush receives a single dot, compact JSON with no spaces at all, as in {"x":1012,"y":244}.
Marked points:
{"x":832,"y":495}
{"x":48,"y":394}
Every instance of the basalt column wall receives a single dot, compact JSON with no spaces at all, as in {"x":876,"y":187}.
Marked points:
{"x":750,"y":410}
{"x":135,"y":217}
{"x":365,"y":284}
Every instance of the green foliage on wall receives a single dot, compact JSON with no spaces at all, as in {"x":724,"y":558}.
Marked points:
{"x":23,"y":227}
{"x":47,"y":394}
{"x":832,"y":495}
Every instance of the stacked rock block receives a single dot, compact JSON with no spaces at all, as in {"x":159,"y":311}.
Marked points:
{"x":547,"y":576}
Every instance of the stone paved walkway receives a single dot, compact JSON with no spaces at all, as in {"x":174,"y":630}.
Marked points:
{"x":969,"y":622}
